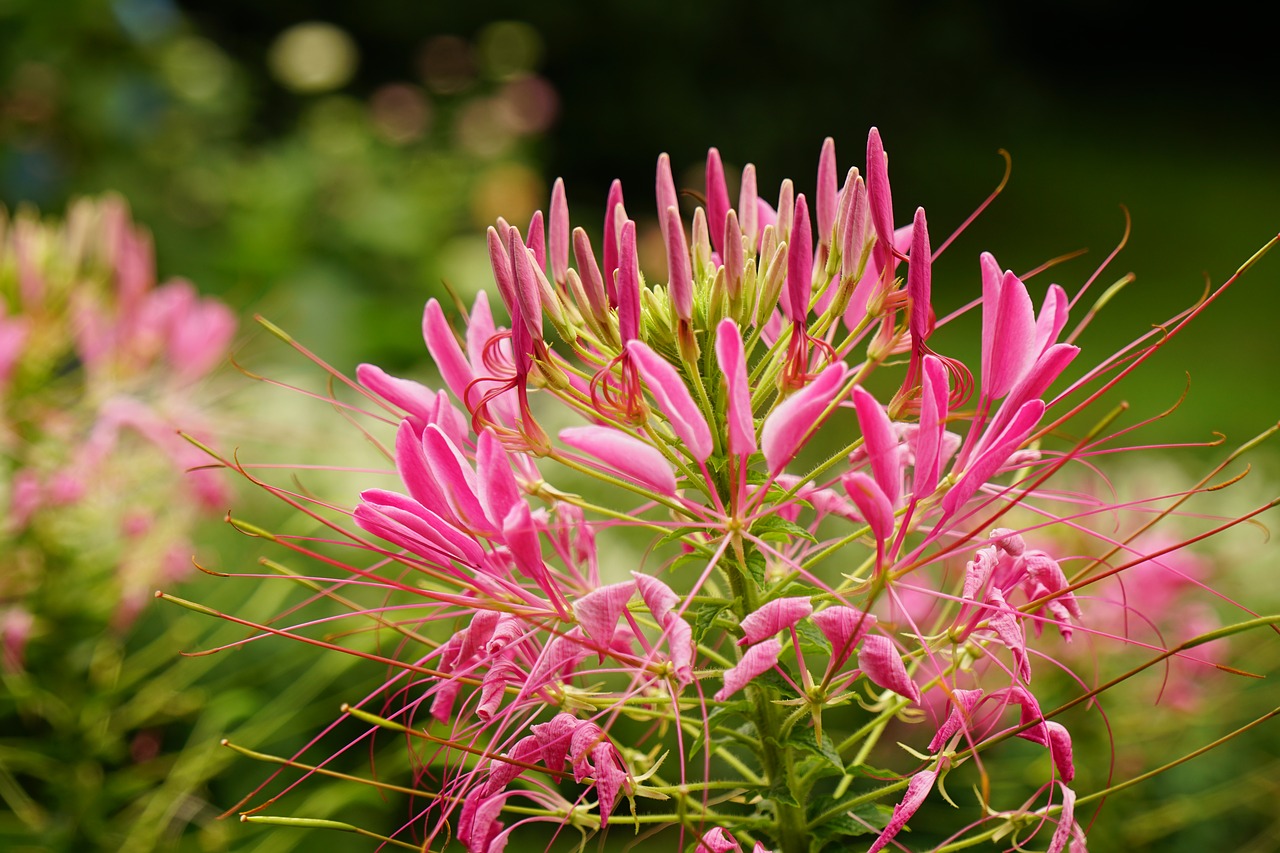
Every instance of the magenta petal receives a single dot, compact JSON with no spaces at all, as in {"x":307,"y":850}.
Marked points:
{"x":1060,"y":750}
{"x":445,"y":352}
{"x":879,"y":660}
{"x":799,"y":286}
{"x":628,"y":284}
{"x":795,"y":419}
{"x":537,"y":240}
{"x":528,"y":295}
{"x":680,"y":274}
{"x":873,"y":505}
{"x":666,"y":193}
{"x":1012,"y":346}
{"x":844,"y":627}
{"x":495,"y":483}
{"x":825,"y":199}
{"x":961,"y":710}
{"x":880,"y":442}
{"x":1003,"y":619}
{"x":612,"y":209}
{"x":592,"y":281}
{"x":917,"y":790}
{"x":717,"y":199}
{"x":994,"y":457}
{"x":454,"y":474}
{"x":717,"y":840}
{"x":919,"y":278}
{"x":500,"y":261}
{"x":772,"y":617}
{"x":742,"y":428}
{"x":1052,"y":318}
{"x":933,"y":423}
{"x":755,"y":661}
{"x":416,"y":474}
{"x":1066,"y":822}
{"x":558,"y":233}
{"x":748,"y":208}
{"x":521,"y":536}
{"x":598,"y":611}
{"x":734,"y":255}
{"x":413,"y":397}
{"x":630,"y":457}
{"x":879,"y":196}
{"x":554,"y":737}
{"x":673,"y":398}
{"x":658,"y":597}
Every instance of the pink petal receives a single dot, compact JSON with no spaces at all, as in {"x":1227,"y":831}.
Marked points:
{"x":1066,"y":821}
{"x":1012,"y":345}
{"x":521,"y":536}
{"x":611,"y":235}
{"x":558,"y":236}
{"x":495,"y":483}
{"x":755,"y":661}
{"x":630,"y":457}
{"x":881,"y":200}
{"x":628,"y":285}
{"x":799,"y":287}
{"x":554,"y":737}
{"x":528,"y":295}
{"x":416,"y":474}
{"x":658,"y":597}
{"x":919,"y":278}
{"x":772,"y":617}
{"x":673,"y":399}
{"x":680,"y":276}
{"x":1003,"y":619}
{"x":592,"y":281}
{"x":880,"y":661}
{"x":933,"y":422}
{"x":825,"y":206}
{"x":844,"y":627}
{"x":880,"y":442}
{"x":734,"y":256}
{"x":733,"y":364}
{"x":537,"y":242}
{"x":959,"y":718}
{"x":454,"y":474}
{"x":748,"y":207}
{"x":1060,"y":750}
{"x":717,"y":199}
{"x":994,"y":457}
{"x":917,"y":790}
{"x":666,"y":195}
{"x":445,"y":352}
{"x":717,"y":840}
{"x":1053,"y":316}
{"x":853,"y":228}
{"x":791,"y":423}
{"x":598,"y":611}
{"x":502,"y":773}
{"x":413,"y":397}
{"x":872,"y":503}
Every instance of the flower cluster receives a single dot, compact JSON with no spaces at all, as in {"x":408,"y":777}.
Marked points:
{"x":98,"y":369}
{"x":850,"y":534}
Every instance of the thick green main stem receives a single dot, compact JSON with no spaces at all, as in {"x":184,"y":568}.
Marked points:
{"x":779,"y":764}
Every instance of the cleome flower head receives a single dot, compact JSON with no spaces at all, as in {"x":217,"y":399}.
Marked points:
{"x":850,"y":533}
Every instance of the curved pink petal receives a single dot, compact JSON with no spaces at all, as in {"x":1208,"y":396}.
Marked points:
{"x":658,"y":597}
{"x":630,"y":457}
{"x":598,"y":611}
{"x":1012,"y":347}
{"x":558,"y":233}
{"x":959,"y":718}
{"x":772,"y":617}
{"x":717,"y":200}
{"x":755,"y":661}
{"x":879,"y":661}
{"x":844,"y":627}
{"x":795,"y":419}
{"x":872,"y":503}
{"x":733,"y":364}
{"x":880,"y":442}
{"x":673,"y":398}
{"x":1060,"y":750}
{"x":445,"y":352}
{"x":917,"y":790}
{"x":799,"y":287}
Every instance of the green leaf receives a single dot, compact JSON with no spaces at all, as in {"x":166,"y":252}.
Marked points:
{"x":704,"y":618}
{"x":716,"y":720}
{"x":777,"y":528}
{"x":870,"y":818}
{"x":756,"y":566}
{"x":804,"y":739}
{"x":811,"y":638}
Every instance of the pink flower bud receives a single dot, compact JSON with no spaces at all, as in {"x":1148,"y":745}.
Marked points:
{"x":537,"y":242}
{"x":680,"y":284}
{"x":919,"y":280}
{"x":558,"y":233}
{"x":799,"y":265}
{"x":614,"y":216}
{"x":592,"y":282}
{"x":826,"y":201}
{"x":748,"y":208}
{"x":717,"y":199}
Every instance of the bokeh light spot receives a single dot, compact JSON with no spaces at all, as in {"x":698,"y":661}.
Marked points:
{"x":313,"y":57}
{"x":447,"y":65}
{"x":510,"y":190}
{"x":195,"y":69}
{"x":509,"y":49}
{"x":400,"y":113}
